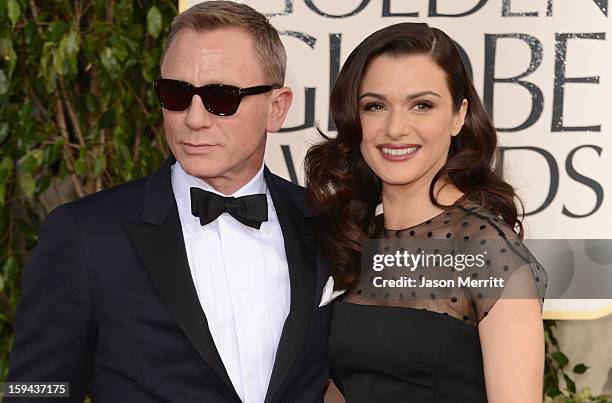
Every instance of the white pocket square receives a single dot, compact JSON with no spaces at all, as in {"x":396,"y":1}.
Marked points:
{"x":328,"y":292}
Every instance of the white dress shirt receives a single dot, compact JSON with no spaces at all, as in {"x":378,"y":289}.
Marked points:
{"x":242,"y":281}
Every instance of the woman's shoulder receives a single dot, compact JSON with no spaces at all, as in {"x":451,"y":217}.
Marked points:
{"x":480,"y":228}
{"x":507,"y":257}
{"x":474,"y":221}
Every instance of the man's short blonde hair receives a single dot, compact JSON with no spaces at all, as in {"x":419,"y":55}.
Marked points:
{"x":211,"y":15}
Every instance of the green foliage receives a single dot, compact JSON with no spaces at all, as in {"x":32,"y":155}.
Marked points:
{"x":77,"y":114}
{"x":559,"y":384}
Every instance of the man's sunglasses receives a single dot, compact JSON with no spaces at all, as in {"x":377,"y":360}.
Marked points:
{"x":218,"y":99}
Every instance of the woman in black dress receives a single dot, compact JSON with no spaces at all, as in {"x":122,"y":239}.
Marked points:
{"x":414,"y":136}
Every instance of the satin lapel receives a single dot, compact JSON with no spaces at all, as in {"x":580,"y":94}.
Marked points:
{"x":158,"y":241}
{"x":299,"y":238}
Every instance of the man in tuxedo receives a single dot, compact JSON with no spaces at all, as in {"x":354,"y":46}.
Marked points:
{"x":200,"y":282}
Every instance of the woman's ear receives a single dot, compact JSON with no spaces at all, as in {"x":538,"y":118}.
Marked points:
{"x":459,"y":119}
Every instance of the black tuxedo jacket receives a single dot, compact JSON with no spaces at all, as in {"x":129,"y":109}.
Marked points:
{"x":108,"y":303}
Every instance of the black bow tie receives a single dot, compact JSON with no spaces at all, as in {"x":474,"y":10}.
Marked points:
{"x":250,"y":210}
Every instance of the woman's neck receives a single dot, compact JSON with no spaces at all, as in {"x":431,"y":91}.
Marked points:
{"x":408,"y":205}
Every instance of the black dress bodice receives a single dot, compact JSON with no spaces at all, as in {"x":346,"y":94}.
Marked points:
{"x":399,"y":348}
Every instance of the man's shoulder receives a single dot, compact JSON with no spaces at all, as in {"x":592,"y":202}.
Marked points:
{"x":288,"y":186}
{"x":296,"y":194}
{"x":125,"y":199}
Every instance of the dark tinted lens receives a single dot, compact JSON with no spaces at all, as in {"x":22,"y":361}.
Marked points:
{"x":173,"y":95}
{"x":220,"y":99}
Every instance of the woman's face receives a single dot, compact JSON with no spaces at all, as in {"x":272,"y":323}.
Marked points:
{"x":407,"y":119}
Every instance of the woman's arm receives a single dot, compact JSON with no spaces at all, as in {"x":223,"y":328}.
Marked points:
{"x":512,"y":342}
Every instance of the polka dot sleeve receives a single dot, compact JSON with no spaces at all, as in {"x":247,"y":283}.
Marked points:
{"x":510,"y":271}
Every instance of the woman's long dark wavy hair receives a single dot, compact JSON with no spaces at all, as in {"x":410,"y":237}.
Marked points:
{"x":345,"y":192}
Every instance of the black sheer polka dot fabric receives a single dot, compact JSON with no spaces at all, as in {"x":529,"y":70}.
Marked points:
{"x":507,"y":258}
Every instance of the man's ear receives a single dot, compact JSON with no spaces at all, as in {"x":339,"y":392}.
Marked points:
{"x":460,"y":118}
{"x":280,"y":103}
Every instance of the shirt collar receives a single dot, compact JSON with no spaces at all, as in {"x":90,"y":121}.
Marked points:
{"x":257,"y":184}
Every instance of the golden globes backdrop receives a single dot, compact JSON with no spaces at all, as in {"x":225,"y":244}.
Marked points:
{"x":542,"y":67}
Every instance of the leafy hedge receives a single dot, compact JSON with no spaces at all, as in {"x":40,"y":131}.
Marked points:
{"x":77,"y":114}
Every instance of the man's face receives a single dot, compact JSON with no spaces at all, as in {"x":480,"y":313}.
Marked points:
{"x":224,"y":151}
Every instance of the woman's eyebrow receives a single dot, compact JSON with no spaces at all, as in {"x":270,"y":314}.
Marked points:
{"x":422,"y":93}
{"x":373,"y":95}
{"x":409,"y":97}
